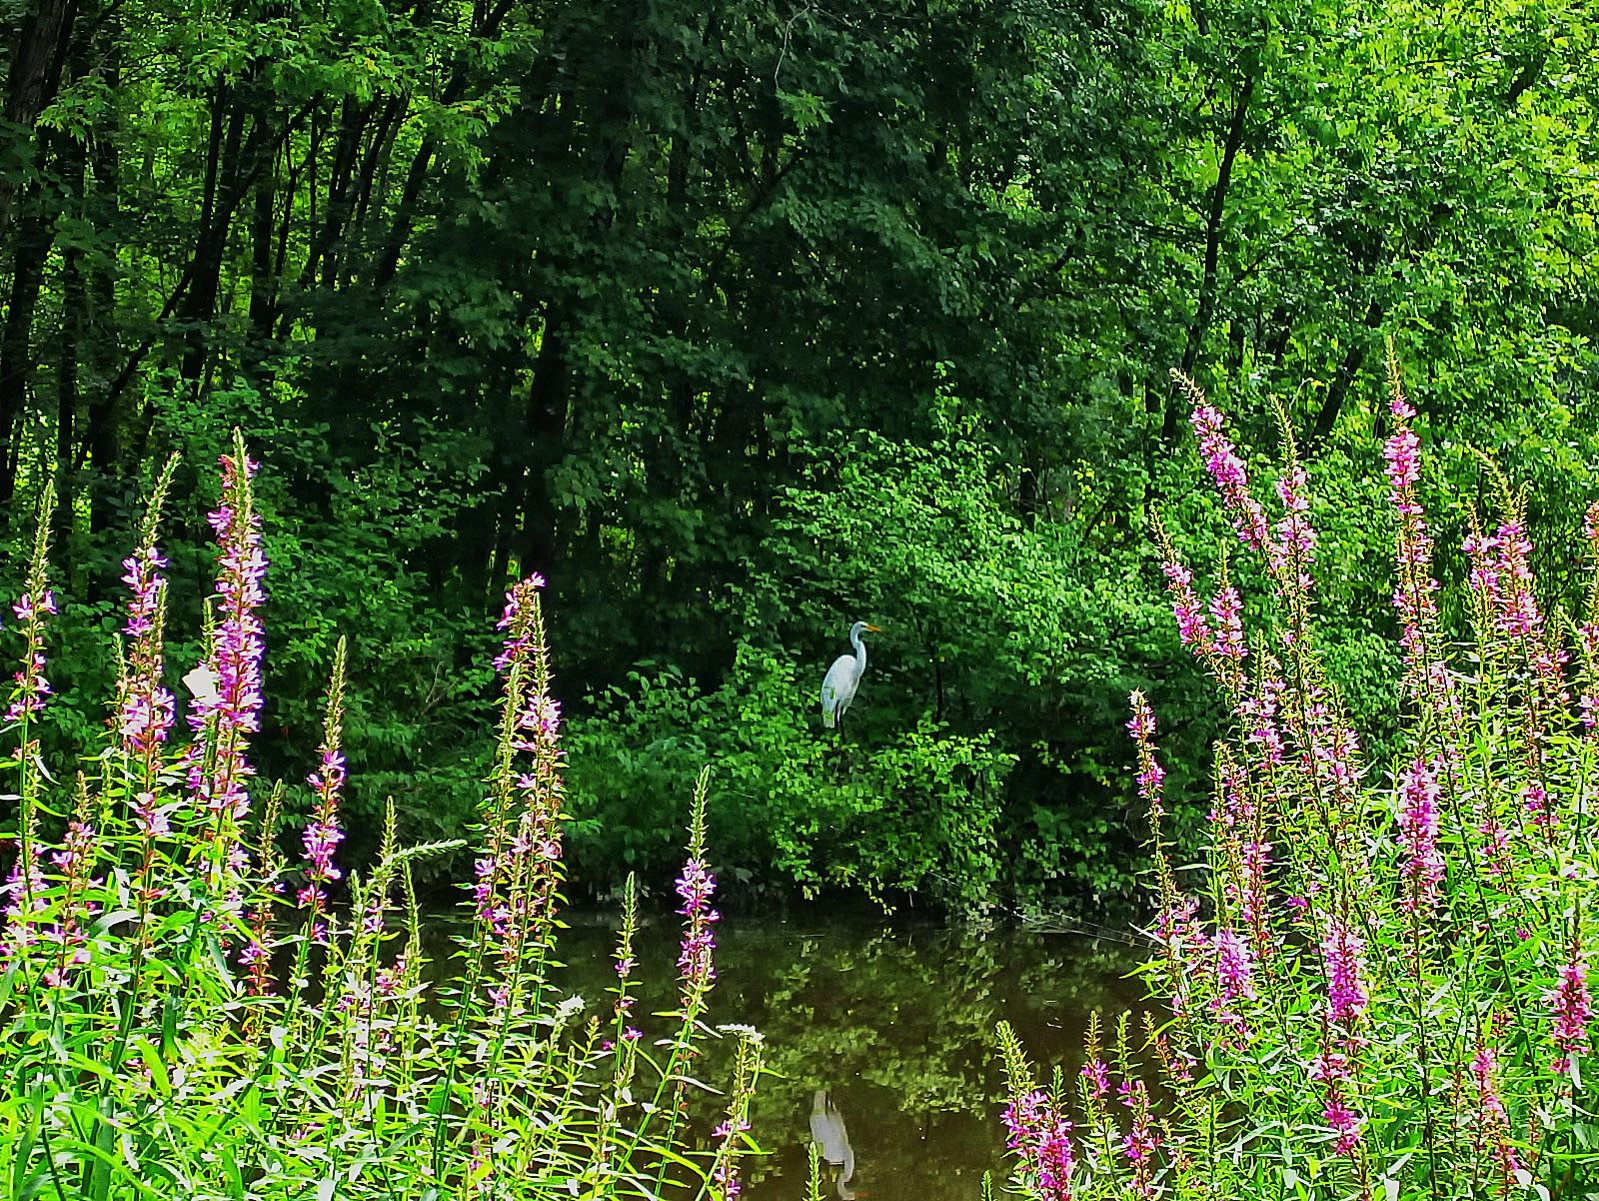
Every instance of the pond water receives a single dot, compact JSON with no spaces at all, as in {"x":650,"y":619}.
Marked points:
{"x":896,"y":1024}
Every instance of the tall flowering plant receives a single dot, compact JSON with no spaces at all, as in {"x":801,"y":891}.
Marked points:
{"x":187,"y":1011}
{"x":1378,"y":983}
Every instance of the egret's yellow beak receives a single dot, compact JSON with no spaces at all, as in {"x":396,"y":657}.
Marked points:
{"x":875,"y":629}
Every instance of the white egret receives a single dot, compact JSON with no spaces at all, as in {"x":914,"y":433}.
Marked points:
{"x":844,"y":677}
{"x":829,"y":1134}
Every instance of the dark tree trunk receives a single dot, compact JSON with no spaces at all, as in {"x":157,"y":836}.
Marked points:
{"x":35,"y":234}
{"x":1209,"y":284}
{"x":1353,"y":360}
{"x":74,"y":319}
{"x":545,"y":431}
{"x":216,"y":216}
{"x":36,"y":64}
{"x":101,"y":438}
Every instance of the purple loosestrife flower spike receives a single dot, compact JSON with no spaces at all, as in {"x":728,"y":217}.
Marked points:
{"x":322,"y":833}
{"x":256,"y":955}
{"x":1519,"y":615}
{"x":696,"y":886}
{"x":1140,"y":1142}
{"x":226,"y":717}
{"x":1225,"y":467}
{"x":517,"y":619}
{"x":1221,"y":647}
{"x":30,"y":687}
{"x":1484,"y":574}
{"x":1346,"y":1004}
{"x":1571,"y":1006}
{"x":1341,"y":950}
{"x":147,"y":709}
{"x":1234,"y":977}
{"x":1227,"y":608}
{"x":1342,"y":1121}
{"x":1295,"y":543}
{"x":75,"y":860}
{"x":24,"y":897}
{"x":25,"y":885}
{"x":625,"y":961}
{"x":1423,"y":868}
{"x":1040,"y":1137}
{"x":519,"y":869}
{"x":1492,"y":1134}
{"x":1193,"y":628}
{"x":728,"y":1133}
{"x":1426,"y":676}
{"x":1097,"y":1073}
{"x":1151,"y":775}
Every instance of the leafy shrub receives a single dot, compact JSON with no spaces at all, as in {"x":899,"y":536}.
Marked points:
{"x":910,"y":813}
{"x":1377,"y":984}
{"x":168,"y":1027}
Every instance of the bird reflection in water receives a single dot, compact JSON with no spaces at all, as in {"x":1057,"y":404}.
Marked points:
{"x":829,"y":1134}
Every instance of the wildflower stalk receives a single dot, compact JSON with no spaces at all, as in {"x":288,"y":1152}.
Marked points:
{"x":696,"y":965}
{"x":27,"y":700}
{"x":723,"y":1182}
{"x":227,"y":710}
{"x":516,"y":803}
{"x":623,"y":1044}
{"x":322,"y":833}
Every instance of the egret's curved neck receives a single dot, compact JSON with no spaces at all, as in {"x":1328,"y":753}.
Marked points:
{"x":860,"y":651}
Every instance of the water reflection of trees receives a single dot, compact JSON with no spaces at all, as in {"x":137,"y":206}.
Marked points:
{"x":898,"y":1025}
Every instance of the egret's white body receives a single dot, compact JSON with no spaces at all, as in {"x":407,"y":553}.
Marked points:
{"x":828,"y":1133}
{"x":844,"y":677}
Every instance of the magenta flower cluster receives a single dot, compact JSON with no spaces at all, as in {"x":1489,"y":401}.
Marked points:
{"x":1423,"y":868}
{"x":1039,"y":1135}
{"x":1414,"y":597}
{"x":1387,"y":936}
{"x":125,"y":922}
{"x":696,"y":962}
{"x":1492,"y":1135}
{"x":322,"y":833}
{"x":1151,"y":775}
{"x":1571,"y":1007}
{"x":31,"y":686}
{"x":224,"y":718}
{"x":1231,"y":476}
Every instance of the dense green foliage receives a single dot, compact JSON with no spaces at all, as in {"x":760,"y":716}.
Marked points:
{"x":741,"y":321}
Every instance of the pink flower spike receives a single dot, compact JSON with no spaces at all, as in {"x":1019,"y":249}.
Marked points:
{"x":696,"y":962}
{"x":1343,"y":1122}
{"x":1039,"y":1134}
{"x":1230,"y":475}
{"x":1418,"y":824}
{"x":1151,"y":775}
{"x":1346,"y":994}
{"x":1571,"y":1006}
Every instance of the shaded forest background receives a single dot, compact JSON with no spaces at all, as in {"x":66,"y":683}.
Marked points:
{"x":743,"y":320}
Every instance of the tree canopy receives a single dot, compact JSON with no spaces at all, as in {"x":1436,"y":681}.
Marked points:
{"x":741,"y":321}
